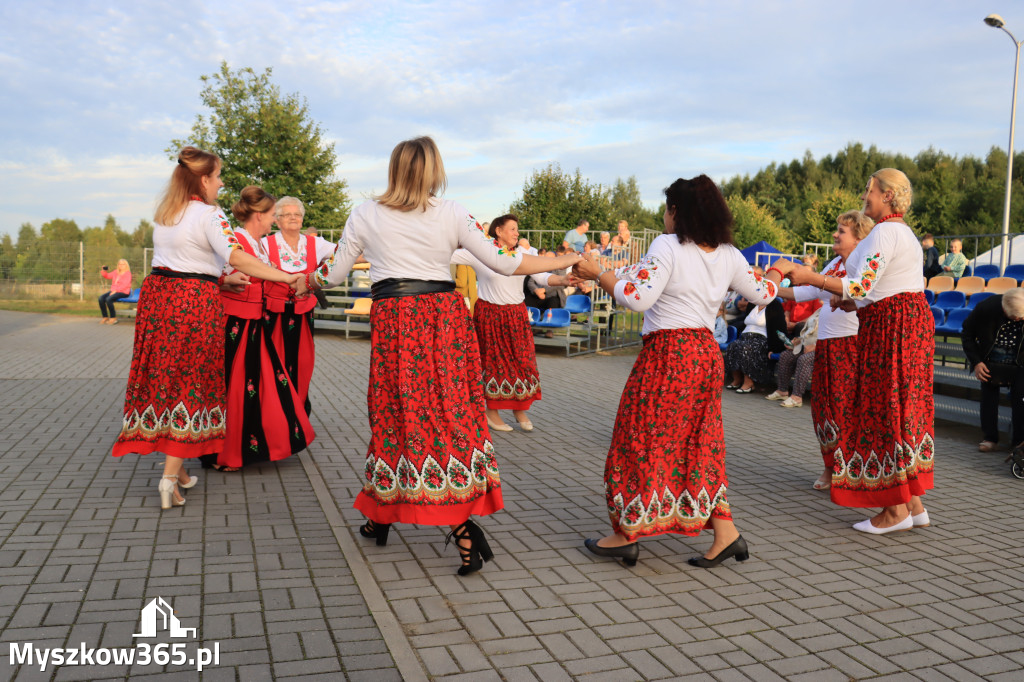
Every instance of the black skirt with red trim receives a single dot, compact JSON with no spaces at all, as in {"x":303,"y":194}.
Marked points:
{"x":511,"y":379}
{"x":430,"y":459}
{"x":174,"y":402}
{"x":834,"y":398}
{"x":890,"y":456}
{"x":665,"y":471}
{"x":291,"y":335}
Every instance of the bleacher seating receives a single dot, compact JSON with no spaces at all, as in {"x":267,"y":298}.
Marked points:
{"x":950,"y":300}
{"x":974,"y":300}
{"x":929,"y":296}
{"x":1015,"y":271}
{"x":968,"y":271}
{"x":938,"y":284}
{"x":939,"y":314}
{"x":729,"y":338}
{"x":969,"y":286}
{"x":132,"y":299}
{"x":954,"y":323}
{"x":986,"y":271}
{"x":1000,"y":285}
{"x":534,"y":314}
{"x":554,"y":318}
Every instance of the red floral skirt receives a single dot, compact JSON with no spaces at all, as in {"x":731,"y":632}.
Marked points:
{"x":665,"y":471}
{"x":430,"y":459}
{"x":266,"y":419}
{"x":291,"y":334}
{"x":511,"y":379}
{"x":891,"y":452}
{"x":174,"y":402}
{"x":833,"y":398}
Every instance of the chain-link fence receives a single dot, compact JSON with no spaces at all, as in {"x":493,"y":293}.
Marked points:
{"x":54,"y":270}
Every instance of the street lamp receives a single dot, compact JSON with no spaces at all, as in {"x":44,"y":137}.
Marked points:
{"x":996,"y":21}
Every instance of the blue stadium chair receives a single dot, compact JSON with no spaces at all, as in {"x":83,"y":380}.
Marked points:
{"x":954,"y":323}
{"x":978,"y":298}
{"x":940,"y":316}
{"x":968,"y":271}
{"x":131,"y":298}
{"x":577,"y":303}
{"x":534,"y":314}
{"x":729,"y":338}
{"x":929,"y":296}
{"x":950,"y":300}
{"x":554,"y":317}
{"x":987,"y":271}
{"x":1015,"y":271}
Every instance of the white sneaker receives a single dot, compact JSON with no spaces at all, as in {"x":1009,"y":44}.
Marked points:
{"x":866,"y":526}
{"x":792,"y":402}
{"x":775,"y":395}
{"x":921,"y":520}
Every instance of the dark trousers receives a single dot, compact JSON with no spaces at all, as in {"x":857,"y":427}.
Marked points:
{"x":990,"y":410}
{"x":107,"y":301}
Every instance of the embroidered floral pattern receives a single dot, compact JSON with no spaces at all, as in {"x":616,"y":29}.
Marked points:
{"x":860,"y":288}
{"x":511,"y":380}
{"x":639,"y":277}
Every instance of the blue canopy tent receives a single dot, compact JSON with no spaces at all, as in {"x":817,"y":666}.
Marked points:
{"x":762,"y":247}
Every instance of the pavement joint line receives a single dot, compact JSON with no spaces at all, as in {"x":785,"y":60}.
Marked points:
{"x":408,"y":663}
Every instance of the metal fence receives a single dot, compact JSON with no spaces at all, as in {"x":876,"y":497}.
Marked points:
{"x":55,"y":270}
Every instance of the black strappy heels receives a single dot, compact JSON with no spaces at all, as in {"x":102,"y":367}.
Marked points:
{"x":370,"y":529}
{"x":479,"y":551}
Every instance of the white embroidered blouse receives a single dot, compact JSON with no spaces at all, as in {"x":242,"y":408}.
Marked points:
{"x":832,"y":324}
{"x":681,"y":286}
{"x":257,"y":247}
{"x":295,"y":261}
{"x":885,"y":263}
{"x":200,"y":242}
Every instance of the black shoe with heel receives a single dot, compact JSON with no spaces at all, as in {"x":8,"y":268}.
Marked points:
{"x":737,"y":549}
{"x":370,"y":529}
{"x":479,"y":551}
{"x":628,"y":553}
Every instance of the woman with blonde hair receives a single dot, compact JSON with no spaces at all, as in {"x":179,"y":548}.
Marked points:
{"x":120,"y":287}
{"x":888,"y":460}
{"x":174,"y":402}
{"x":430,"y":459}
{"x":266,"y":418}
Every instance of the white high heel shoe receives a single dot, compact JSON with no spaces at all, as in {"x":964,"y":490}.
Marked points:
{"x":192,"y":480}
{"x":168,"y":497}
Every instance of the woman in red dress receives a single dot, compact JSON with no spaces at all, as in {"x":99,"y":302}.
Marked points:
{"x":266,"y":419}
{"x":174,"y":402}
{"x":665,"y":471}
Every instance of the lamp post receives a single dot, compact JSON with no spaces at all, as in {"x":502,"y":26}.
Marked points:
{"x":996,"y":21}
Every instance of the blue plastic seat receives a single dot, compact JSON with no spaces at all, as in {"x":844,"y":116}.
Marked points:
{"x":577,"y":303}
{"x":929,"y":296}
{"x":950,"y":300}
{"x":968,"y":271}
{"x":132,"y":298}
{"x":939,"y":314}
{"x":954,"y":323}
{"x":730,"y":336}
{"x":554,"y":317}
{"x":977,"y":298}
{"x":1016,"y":271}
{"x":534,"y":314}
{"x":987,"y":271}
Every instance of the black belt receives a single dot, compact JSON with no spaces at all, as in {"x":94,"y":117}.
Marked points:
{"x":393,"y":287}
{"x":174,"y":274}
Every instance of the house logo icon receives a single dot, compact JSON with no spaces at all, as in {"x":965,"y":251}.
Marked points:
{"x":159,"y":610}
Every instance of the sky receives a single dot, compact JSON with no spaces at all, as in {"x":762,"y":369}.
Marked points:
{"x":92,"y":93}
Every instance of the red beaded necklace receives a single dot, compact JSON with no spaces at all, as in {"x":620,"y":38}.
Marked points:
{"x":196,"y":198}
{"x":891,"y":215}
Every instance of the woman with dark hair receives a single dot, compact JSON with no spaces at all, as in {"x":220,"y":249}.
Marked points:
{"x":266,"y":419}
{"x":430,"y":459}
{"x":503,"y":331}
{"x":665,"y":471}
{"x":175,"y":400}
{"x":889,"y":458}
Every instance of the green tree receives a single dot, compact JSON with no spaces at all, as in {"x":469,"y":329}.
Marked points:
{"x":142,"y":237}
{"x":554,"y":201}
{"x":265,"y":138}
{"x":820,"y":217}
{"x":625,"y":204}
{"x":753,"y":223}
{"x":8,"y":257}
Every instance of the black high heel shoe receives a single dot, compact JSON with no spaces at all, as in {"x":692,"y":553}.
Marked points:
{"x":628,"y":553}
{"x":375,"y":530}
{"x":479,"y":551}
{"x":738,"y":549}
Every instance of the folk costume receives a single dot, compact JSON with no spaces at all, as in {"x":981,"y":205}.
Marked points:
{"x":665,"y":471}
{"x":890,"y":454}
{"x":430,"y":459}
{"x":174,"y":402}
{"x":834,"y":377}
{"x":291,"y":320}
{"x":266,"y":419}
{"x":505,"y":337}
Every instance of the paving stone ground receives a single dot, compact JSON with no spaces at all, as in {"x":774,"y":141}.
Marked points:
{"x":266,"y":563}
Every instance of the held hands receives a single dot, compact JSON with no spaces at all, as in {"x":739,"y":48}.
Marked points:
{"x":298,"y":283}
{"x":839,"y":303}
{"x":588,"y":267}
{"x":236,"y":282}
{"x":801,"y":274}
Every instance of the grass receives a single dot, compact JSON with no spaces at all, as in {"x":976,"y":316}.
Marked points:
{"x":51,"y":306}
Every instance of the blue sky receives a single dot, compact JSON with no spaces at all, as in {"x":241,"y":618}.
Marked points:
{"x":92,"y":92}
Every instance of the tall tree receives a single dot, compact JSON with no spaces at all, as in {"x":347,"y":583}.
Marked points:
{"x":625,"y":204}
{"x":821,"y":215}
{"x":268,"y":139}
{"x":753,"y":223}
{"x":8,"y":257}
{"x":554,"y":201}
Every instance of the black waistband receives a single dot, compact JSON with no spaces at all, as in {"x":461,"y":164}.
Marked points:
{"x":164,"y":272}
{"x":393,"y":287}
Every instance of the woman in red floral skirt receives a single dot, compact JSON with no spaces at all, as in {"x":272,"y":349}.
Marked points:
{"x":665,"y":471}
{"x":174,"y":402}
{"x":430,"y":459}
{"x":266,"y":418}
{"x":511,"y":379}
{"x":889,"y":459}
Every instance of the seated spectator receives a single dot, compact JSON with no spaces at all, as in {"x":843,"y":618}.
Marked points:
{"x":955,"y":262}
{"x":810,"y":260}
{"x":543,"y":298}
{"x":931,"y":257}
{"x":120,"y":287}
{"x":799,"y":358}
{"x":604,"y":246}
{"x":524,"y":246}
{"x":721,"y":331}
{"x":746,"y":361}
{"x":797,"y":312}
{"x":576,"y":237}
{"x":992,"y":340}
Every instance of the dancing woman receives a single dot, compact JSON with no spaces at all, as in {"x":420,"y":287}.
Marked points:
{"x":290,"y":319}
{"x":665,"y":471}
{"x":511,"y":379}
{"x":430,"y":459}
{"x":834,"y":374}
{"x":266,"y":419}
{"x":174,"y":402}
{"x":889,"y":460}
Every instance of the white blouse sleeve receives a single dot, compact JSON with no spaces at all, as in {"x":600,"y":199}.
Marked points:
{"x":541,"y":278}
{"x":324,"y":249}
{"x":751,"y":286}
{"x":219,"y":234}
{"x":862,"y":273}
{"x":806,"y":293}
{"x":488,"y":251}
{"x":463,"y":257}
{"x":641,"y":284}
{"x":335,"y":268}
